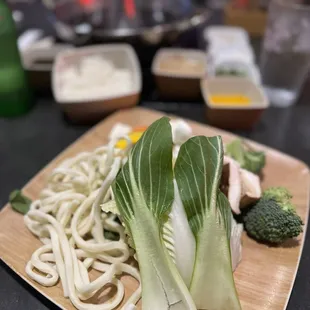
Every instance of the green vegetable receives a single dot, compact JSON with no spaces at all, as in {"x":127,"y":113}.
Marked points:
{"x":282,"y":196}
{"x":111,"y":235}
{"x":198,"y":172}
{"x":268,"y":221}
{"x":144,"y":193}
{"x":110,"y":207}
{"x":229,"y":72}
{"x":247,"y":158}
{"x":19,"y":202}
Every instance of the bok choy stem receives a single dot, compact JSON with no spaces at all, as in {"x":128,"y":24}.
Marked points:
{"x":198,"y":171}
{"x":184,"y":243}
{"x":144,"y":194}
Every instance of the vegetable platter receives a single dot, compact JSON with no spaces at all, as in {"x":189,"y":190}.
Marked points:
{"x":265,"y":275}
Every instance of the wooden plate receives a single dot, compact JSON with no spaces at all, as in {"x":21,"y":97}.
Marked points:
{"x":265,"y":276}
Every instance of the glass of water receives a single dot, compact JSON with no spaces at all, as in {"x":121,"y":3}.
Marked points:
{"x":285,"y":59}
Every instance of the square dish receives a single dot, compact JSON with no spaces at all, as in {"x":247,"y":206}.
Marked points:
{"x":229,"y":116}
{"x":122,"y":56}
{"x":264,"y":278}
{"x":173,"y":84}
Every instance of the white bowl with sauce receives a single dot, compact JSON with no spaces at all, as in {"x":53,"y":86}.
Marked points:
{"x":178,"y":72}
{"x":233,"y":103}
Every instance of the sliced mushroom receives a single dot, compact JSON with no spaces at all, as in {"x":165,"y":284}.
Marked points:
{"x":241,"y":186}
{"x":231,"y":183}
{"x":251,"y":189}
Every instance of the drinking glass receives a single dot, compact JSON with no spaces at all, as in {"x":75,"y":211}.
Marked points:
{"x":285,"y":59}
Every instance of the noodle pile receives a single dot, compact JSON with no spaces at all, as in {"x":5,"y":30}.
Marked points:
{"x":69,"y":221}
{"x":67,"y":218}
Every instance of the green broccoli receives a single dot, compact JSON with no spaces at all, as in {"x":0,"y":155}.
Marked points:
{"x":273,"y":219}
{"x":248,"y":159}
{"x":282,"y":196}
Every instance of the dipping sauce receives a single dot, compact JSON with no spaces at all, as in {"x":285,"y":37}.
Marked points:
{"x":230,"y":100}
{"x":181,"y":64}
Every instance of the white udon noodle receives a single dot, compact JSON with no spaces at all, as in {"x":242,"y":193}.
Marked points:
{"x":68,"y":220}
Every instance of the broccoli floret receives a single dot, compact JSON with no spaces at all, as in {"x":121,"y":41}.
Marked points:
{"x":254,"y":161}
{"x":247,"y":158}
{"x":268,"y":222}
{"x":282,"y":196}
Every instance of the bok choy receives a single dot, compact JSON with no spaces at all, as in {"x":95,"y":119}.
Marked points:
{"x":198,"y":170}
{"x":144,"y":193}
{"x":179,"y":239}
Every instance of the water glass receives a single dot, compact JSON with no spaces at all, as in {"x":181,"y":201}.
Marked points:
{"x":285,"y":59}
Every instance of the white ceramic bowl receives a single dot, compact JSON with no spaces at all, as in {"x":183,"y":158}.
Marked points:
{"x":122,"y":56}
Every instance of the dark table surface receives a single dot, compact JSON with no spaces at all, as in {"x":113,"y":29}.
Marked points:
{"x":30,"y":142}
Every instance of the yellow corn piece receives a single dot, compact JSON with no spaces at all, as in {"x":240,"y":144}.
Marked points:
{"x":134,"y":136}
{"x":121,"y":144}
{"x":230,"y":100}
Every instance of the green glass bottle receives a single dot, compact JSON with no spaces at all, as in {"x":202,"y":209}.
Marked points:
{"x":15,"y":97}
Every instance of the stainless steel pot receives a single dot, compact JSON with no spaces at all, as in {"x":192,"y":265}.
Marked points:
{"x":153,"y":22}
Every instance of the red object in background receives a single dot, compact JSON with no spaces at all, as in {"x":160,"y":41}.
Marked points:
{"x":130,"y":8}
{"x":241,"y":4}
{"x":87,"y":3}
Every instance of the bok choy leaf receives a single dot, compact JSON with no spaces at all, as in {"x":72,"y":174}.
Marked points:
{"x":198,"y":171}
{"x":144,"y":193}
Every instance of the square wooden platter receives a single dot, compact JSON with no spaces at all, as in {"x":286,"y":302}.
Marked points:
{"x":265,"y":276}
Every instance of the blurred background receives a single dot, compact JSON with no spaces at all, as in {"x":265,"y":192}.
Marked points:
{"x":48,"y":27}
{"x":271,"y":42}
